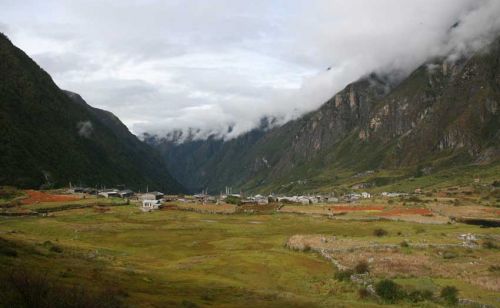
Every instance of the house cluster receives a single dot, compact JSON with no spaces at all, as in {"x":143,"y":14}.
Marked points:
{"x":114,"y":193}
{"x":393,"y":194}
{"x":353,"y":197}
{"x":106,"y":193}
{"x":307,"y":199}
{"x":258,"y":199}
{"x":149,"y":200}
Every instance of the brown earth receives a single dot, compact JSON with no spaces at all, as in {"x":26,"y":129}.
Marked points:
{"x":38,"y":196}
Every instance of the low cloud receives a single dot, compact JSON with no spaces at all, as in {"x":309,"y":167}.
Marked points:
{"x":85,"y":129}
{"x":206,"y":67}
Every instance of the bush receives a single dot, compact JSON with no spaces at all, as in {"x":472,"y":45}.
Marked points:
{"x":188,"y":304}
{"x":233,"y":200}
{"x":56,"y":249}
{"x":362,"y":267}
{"x":363,"y":293}
{"x":419,"y":296}
{"x":450,"y":295}
{"x":489,"y":245}
{"x":344,"y":275}
{"x":419,"y":230}
{"x":52,"y":247}
{"x":494,"y":268}
{"x":414,"y":199}
{"x":8,"y":251}
{"x":379,"y":232}
{"x":449,"y":255}
{"x":389,"y":291}
{"x":9,"y":192}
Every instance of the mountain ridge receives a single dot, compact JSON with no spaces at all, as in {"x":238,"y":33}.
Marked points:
{"x":444,"y":113}
{"x":51,"y":137}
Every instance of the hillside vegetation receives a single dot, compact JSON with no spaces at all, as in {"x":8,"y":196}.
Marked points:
{"x":51,"y":137}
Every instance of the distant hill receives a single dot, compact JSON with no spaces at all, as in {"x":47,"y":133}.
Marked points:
{"x":374,"y":133}
{"x":50,"y":137}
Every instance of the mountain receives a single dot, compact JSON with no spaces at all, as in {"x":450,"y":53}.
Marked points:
{"x":208,"y":164}
{"x":445,"y":115}
{"x":51,"y":137}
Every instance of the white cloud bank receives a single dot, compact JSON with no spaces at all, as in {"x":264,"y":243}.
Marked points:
{"x":208,"y":65}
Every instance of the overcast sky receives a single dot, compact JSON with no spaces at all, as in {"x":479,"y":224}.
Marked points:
{"x":210,"y":64}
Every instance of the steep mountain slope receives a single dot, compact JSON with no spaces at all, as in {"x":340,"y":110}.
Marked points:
{"x":51,"y":137}
{"x":209,"y":164}
{"x":445,"y":114}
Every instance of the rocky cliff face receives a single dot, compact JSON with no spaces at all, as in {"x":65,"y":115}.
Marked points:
{"x":445,"y":112}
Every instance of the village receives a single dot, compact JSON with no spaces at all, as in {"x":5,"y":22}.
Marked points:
{"x":154,"y":200}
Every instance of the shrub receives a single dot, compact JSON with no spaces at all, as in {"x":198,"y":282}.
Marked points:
{"x":233,"y":200}
{"x":494,"y":268}
{"x":8,"y":251}
{"x":449,"y":255}
{"x":343,"y":275}
{"x":419,"y":296}
{"x":188,"y":304}
{"x":56,"y":248}
{"x":363,"y":293}
{"x":489,"y":245}
{"x":419,"y":230}
{"x":52,"y":247}
{"x":9,"y":192}
{"x":379,"y":232}
{"x":389,"y":291}
{"x":414,"y":199}
{"x":450,"y":295}
{"x":362,"y":267}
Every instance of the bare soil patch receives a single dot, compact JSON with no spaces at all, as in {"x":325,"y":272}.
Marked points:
{"x":331,"y":209}
{"x":38,"y":197}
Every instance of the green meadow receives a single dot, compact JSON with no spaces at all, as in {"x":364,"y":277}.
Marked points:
{"x":181,"y":258}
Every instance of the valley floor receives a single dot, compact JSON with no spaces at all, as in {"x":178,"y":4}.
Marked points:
{"x":175,"y":257}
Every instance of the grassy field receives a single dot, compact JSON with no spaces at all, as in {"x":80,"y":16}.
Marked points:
{"x":184,"y":258}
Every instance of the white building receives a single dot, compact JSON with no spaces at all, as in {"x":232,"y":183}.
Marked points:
{"x":150,"y":205}
{"x":366,"y":195}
